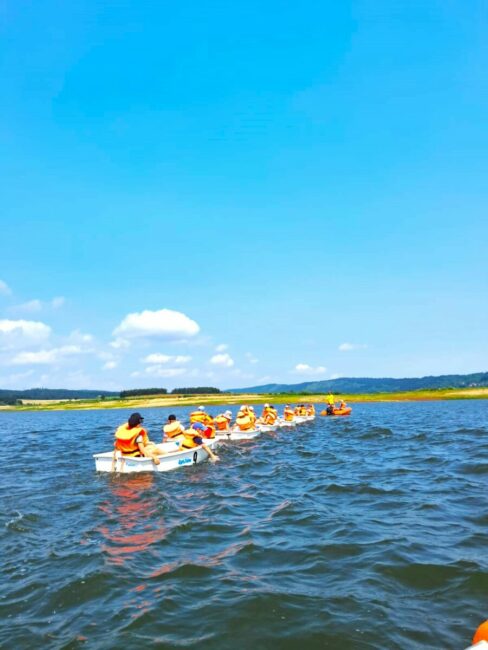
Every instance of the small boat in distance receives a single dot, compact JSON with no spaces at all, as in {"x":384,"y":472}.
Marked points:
{"x":338,"y":411}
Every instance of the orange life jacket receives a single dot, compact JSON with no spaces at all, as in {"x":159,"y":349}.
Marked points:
{"x":173,"y":430}
{"x":288,"y":415}
{"x":125,"y":439}
{"x":244,"y":421}
{"x":222,"y":423}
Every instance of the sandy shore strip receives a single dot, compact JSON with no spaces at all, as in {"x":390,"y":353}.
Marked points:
{"x":162,"y":401}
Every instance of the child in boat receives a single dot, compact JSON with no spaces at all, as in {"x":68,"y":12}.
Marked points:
{"x":192,"y":437}
{"x":222,"y":421}
{"x":173,"y":429}
{"x":131,"y":439}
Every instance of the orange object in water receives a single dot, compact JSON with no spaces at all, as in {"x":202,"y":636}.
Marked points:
{"x":481,"y":633}
{"x":344,"y":411}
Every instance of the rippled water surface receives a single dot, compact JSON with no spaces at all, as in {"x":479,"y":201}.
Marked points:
{"x":360,"y":532}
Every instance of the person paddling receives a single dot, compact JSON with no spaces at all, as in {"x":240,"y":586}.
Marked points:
{"x":192,"y":437}
{"x":131,"y":439}
{"x":187,"y":439}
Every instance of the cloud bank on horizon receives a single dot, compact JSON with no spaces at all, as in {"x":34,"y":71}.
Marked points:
{"x":82,"y":360}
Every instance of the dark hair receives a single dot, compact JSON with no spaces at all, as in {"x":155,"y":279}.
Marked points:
{"x":134,"y":420}
{"x":171,"y":418}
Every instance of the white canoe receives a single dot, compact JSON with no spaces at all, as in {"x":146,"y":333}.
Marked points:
{"x":299,"y":419}
{"x":267,"y":428}
{"x":173,"y":459}
{"x":285,"y":423}
{"x":234,"y":434}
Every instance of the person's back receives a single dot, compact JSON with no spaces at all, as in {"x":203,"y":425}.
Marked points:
{"x":193,"y":437}
{"x":199,"y":415}
{"x":221,"y":423}
{"x":173,"y":429}
{"x":244,"y":420}
{"x":131,"y":439}
{"x":128,"y":438}
{"x":288,"y":414}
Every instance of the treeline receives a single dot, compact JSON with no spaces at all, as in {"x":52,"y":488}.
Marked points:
{"x":11,"y":396}
{"x":199,"y":390}
{"x":138,"y":392}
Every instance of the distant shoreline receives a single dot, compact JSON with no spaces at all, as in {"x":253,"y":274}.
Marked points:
{"x":162,"y":401}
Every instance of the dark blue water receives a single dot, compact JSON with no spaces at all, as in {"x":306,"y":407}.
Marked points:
{"x":364,"y":532}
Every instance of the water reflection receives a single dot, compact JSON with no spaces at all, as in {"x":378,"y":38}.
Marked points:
{"x":132,"y":510}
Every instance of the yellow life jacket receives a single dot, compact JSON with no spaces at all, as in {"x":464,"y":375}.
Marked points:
{"x":198,"y":416}
{"x":173,"y":429}
{"x":288,"y":415}
{"x":244,"y":421}
{"x":125,"y":439}
{"x":269,"y":415}
{"x":189,"y":441}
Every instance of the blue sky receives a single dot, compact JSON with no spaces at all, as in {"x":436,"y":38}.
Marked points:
{"x":215,"y":193}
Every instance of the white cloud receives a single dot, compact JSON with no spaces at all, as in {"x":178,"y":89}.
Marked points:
{"x":120,"y":344}
{"x":46,"y":356}
{"x":36,"y":305}
{"x":165,"y":358}
{"x":222,"y":347}
{"x":23,"y":331}
{"x":29,"y":307}
{"x":305,"y":369}
{"x":251,"y":358}
{"x":58,"y":302}
{"x":110,"y":365}
{"x":335,"y":376}
{"x":347,"y":347}
{"x":164,"y":323}
{"x":79,"y":338}
{"x":5,"y":290}
{"x":223,"y":360}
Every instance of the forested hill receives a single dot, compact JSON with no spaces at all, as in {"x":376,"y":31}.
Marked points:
{"x":355,"y":385}
{"x":52,"y":393}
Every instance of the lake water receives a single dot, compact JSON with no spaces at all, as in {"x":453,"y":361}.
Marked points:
{"x":356,"y":533}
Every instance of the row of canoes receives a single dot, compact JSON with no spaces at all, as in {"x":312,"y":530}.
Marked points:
{"x":173,"y":457}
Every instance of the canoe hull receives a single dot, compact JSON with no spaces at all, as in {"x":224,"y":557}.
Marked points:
{"x":267,"y":428}
{"x":237,"y":435}
{"x":286,"y":423}
{"x":338,"y":412}
{"x":173,"y":459}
